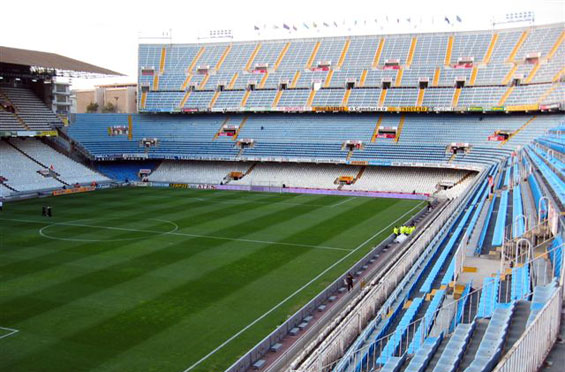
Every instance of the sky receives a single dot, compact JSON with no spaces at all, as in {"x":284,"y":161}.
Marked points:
{"x":107,"y":33}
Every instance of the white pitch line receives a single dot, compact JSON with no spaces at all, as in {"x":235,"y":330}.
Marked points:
{"x":295,"y":293}
{"x":343,"y":202}
{"x":177,"y":234}
{"x":12,"y":331}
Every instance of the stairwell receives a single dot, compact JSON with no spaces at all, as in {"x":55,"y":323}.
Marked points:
{"x":35,"y":161}
{"x":9,"y":187}
{"x":360,"y":174}
{"x":517,"y":324}
{"x":474,"y":342}
{"x":241,"y":125}
{"x":437,"y":354}
{"x":226,"y":120}
{"x":250,"y":169}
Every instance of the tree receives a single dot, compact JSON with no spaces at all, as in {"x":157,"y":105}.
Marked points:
{"x":92,"y":107}
{"x":109,"y":108}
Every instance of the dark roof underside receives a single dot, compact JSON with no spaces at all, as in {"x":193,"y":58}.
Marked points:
{"x":49,"y":60}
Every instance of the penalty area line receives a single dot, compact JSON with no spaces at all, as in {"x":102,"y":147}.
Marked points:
{"x":197,"y":363}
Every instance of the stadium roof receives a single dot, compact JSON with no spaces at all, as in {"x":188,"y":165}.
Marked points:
{"x":50,"y":60}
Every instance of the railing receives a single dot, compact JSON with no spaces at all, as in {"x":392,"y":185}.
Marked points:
{"x":441,"y":321}
{"x":373,"y":306}
{"x":263,"y":346}
{"x":529,"y":352}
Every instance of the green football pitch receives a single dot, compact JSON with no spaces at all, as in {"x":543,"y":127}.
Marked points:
{"x":143,"y":279}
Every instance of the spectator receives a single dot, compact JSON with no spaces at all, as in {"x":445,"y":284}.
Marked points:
{"x":349,"y":282}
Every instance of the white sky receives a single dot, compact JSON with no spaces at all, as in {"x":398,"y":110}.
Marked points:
{"x":106,"y":33}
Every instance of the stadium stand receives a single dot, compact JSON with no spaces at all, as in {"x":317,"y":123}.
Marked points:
{"x":498,"y":173}
{"x":317,"y":73}
{"x":30,"y":109}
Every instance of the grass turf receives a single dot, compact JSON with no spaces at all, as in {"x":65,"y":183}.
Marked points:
{"x":155,"y":279}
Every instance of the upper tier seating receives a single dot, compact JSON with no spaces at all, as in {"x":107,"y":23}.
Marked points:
{"x":496,"y":58}
{"x":31,"y":110}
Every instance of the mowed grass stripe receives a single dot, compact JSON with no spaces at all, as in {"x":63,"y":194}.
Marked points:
{"x":126,"y":271}
{"x":170,"y":308}
{"x":294,"y":262}
{"x":66,"y":258}
{"x":158,"y":209}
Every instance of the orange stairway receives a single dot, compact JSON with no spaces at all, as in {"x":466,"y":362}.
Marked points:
{"x":186,"y":82}
{"x":311,"y":98}
{"x":455,"y":99}
{"x":420,"y":99}
{"x":263,"y":80}
{"x":233,"y":80}
{"x":162,"y":61}
{"x":398,"y":81}
{"x":377,"y":57}
{"x":435,"y":82}
{"x":509,"y":75}
{"x":345,"y":98}
{"x":556,"y":46}
{"x":558,"y":75}
{"x":195,"y":59}
{"x":184,"y":99}
{"x":202,"y":84}
{"x":376,"y":131}
{"x":363,"y":78}
{"x":226,"y":120}
{"x":518,"y":130}
{"x":295,"y":79}
{"x":411,"y":51}
{"x":143,"y":99}
{"x":474,"y":75}
{"x":488,"y":54}
{"x":214,"y":99}
{"x":505,"y":95}
{"x":249,"y":63}
{"x":329,"y":78}
{"x":447,"y":60}
{"x":399,"y":129}
{"x":517,"y":46}
{"x":382,"y":97}
{"x":241,"y":125}
{"x":155,"y":82}
{"x":343,"y":53}
{"x":532,"y":73}
{"x":281,"y":56}
{"x":245,"y":98}
{"x":277,"y":98}
{"x":313,"y":55}
{"x":223,"y":58}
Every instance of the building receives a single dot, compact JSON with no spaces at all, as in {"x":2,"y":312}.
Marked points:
{"x":122,"y":96}
{"x":61,"y":97}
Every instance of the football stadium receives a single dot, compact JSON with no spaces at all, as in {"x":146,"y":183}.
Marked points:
{"x":357,"y":203}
